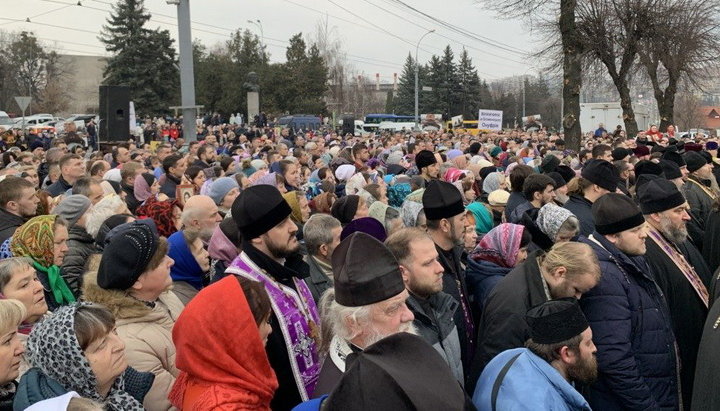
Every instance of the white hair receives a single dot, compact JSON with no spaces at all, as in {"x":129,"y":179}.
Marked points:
{"x":101,"y":211}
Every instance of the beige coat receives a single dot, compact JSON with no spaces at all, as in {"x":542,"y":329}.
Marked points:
{"x":147,"y":334}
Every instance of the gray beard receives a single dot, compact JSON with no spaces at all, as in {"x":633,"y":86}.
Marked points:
{"x":375,"y":336}
{"x":677,"y":235}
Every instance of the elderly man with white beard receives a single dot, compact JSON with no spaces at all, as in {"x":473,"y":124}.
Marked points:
{"x":366,"y":304}
{"x":680,"y":271}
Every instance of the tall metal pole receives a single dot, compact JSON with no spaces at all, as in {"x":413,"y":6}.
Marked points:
{"x":187,"y":76}
{"x":417,"y":70}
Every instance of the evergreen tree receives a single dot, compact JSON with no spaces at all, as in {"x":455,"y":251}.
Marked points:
{"x":432,"y":101}
{"x":142,"y":59}
{"x":404,"y":102}
{"x":469,"y":95}
{"x":389,"y":103}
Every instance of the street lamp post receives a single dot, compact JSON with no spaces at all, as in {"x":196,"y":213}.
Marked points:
{"x":187,"y":76}
{"x":262,"y":34}
{"x":417,"y":70}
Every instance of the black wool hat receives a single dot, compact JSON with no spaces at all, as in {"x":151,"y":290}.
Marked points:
{"x":566,"y":172}
{"x":258,"y":209}
{"x":658,"y":195}
{"x":694,"y":160}
{"x":424,"y":158}
{"x":474,"y":148}
{"x":670,"y":169}
{"x":675,"y":157}
{"x":559,"y":180}
{"x":620,"y":153}
{"x":648,"y":167}
{"x":602,"y":173}
{"x":614,"y":213}
{"x":442,"y":200}
{"x":126,"y":255}
{"x":556,"y":321}
{"x":485,"y":171}
{"x":344,"y":208}
{"x":360,"y":280}
{"x":399,"y":372}
{"x":549,"y":163}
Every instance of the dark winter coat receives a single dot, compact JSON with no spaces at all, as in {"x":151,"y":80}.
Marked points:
{"x":319,"y":281}
{"x":514,"y":200}
{"x":687,"y":310}
{"x":633,"y":334}
{"x":434,"y":322}
{"x":58,"y":187}
{"x":705,"y":391}
{"x":481,"y":277}
{"x":130,"y":199}
{"x":169,"y":187}
{"x":582,"y":208}
{"x":700,"y":202}
{"x":711,"y":241}
{"x":80,"y":247}
{"x":502,"y":324}
{"x":8,"y":224}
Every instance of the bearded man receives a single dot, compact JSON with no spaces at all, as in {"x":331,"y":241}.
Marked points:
{"x":366,"y":304}
{"x":270,"y":255}
{"x":679,"y":269}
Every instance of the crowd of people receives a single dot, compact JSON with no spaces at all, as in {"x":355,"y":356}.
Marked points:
{"x":256,"y":269}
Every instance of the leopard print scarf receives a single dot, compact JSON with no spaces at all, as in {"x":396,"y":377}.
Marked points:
{"x":53,"y":348}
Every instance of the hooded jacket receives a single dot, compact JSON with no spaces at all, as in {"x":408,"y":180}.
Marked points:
{"x":147,"y":334}
{"x":582,"y":208}
{"x":481,"y":277}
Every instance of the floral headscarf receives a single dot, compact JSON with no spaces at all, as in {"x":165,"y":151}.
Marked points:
{"x":500,"y":245}
{"x":53,"y":347}
{"x":161,"y":212}
{"x":36,"y":239}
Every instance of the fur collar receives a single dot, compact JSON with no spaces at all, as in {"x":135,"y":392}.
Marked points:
{"x":122,"y":305}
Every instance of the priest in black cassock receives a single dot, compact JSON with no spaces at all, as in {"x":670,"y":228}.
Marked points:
{"x":679,"y":270}
{"x":707,"y":385}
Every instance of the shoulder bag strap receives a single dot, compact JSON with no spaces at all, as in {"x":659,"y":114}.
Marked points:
{"x":499,"y":380}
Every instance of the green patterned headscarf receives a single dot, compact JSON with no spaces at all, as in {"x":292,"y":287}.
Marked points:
{"x":36,"y":239}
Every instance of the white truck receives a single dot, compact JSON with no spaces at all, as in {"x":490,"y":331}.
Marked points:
{"x":610,"y":115}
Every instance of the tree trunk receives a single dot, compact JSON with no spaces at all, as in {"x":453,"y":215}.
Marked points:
{"x":572,"y":74}
{"x":666,"y":106}
{"x":631,"y":127}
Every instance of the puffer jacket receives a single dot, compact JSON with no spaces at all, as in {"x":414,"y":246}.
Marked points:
{"x":434,"y":322}
{"x":147,"y":334}
{"x":582,"y":208}
{"x":481,"y":277}
{"x":633,"y":334}
{"x":80,"y":246}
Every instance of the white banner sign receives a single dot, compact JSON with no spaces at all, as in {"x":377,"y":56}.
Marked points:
{"x":490,"y":119}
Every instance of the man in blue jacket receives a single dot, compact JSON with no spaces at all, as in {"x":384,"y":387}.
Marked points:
{"x":628,"y":315}
{"x":539,"y":377}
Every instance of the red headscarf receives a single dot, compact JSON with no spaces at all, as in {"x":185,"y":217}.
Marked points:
{"x":220,"y":354}
{"x":161,"y":212}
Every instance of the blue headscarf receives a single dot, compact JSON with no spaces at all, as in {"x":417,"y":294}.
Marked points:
{"x":186,"y":267}
{"x":483,"y":217}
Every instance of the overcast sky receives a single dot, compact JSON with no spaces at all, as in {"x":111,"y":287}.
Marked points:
{"x":377,"y":41}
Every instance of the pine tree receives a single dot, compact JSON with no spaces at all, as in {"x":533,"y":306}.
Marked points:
{"x":404,"y":101}
{"x":142,"y":59}
{"x":432,"y":101}
{"x":469,"y":94}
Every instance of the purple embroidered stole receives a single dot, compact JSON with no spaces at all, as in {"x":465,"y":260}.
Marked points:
{"x":290,"y":308}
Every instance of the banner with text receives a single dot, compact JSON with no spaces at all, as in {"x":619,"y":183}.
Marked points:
{"x":490,"y":120}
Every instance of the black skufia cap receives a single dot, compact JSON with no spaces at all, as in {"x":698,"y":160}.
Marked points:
{"x":670,"y":169}
{"x":675,"y":157}
{"x":556,"y":321}
{"x":400,"y":372}
{"x":365,"y":271}
{"x":602,"y":173}
{"x":442,"y":200}
{"x":648,"y":167}
{"x":424,"y":158}
{"x":614,"y":213}
{"x":658,"y":195}
{"x":258,"y":209}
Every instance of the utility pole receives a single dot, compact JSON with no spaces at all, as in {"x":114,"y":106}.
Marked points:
{"x":417,"y":72}
{"x":187,"y":76}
